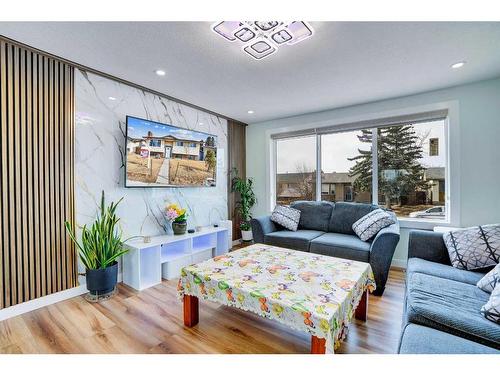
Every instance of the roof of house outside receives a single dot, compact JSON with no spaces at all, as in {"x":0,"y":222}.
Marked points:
{"x":172,"y":137}
{"x":130,"y":139}
{"x":326,"y":178}
{"x":289,"y":193}
{"x":337,"y":178}
{"x":293,"y":177}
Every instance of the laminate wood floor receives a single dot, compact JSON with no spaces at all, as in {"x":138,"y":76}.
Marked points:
{"x":151,"y":322}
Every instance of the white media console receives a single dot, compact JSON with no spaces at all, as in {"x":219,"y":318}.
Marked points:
{"x":164,"y":256}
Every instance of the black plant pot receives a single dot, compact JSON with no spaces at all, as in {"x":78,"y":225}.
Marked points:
{"x":179,"y":228}
{"x":102,"y":281}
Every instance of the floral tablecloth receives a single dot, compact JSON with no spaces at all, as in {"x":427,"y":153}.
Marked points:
{"x":308,"y":292}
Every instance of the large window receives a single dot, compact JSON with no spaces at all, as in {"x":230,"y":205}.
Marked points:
{"x":411,"y":174}
{"x":295,"y":169}
{"x":403,"y":169}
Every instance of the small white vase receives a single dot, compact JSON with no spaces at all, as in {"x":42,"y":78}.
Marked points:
{"x":246,"y":235}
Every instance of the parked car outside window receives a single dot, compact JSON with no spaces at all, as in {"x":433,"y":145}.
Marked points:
{"x":437,"y":212}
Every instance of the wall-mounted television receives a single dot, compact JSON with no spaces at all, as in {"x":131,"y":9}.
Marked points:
{"x":162,"y":155}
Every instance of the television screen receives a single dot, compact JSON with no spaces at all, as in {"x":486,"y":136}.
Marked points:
{"x":162,"y":155}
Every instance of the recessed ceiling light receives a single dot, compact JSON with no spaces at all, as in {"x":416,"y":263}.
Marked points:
{"x":458,"y":65}
{"x":160,"y":72}
{"x":200,"y":123}
{"x":250,"y":111}
{"x":111,"y":98}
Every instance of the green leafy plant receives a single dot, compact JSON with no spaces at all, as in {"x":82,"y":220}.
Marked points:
{"x":245,"y":225}
{"x":247,"y":198}
{"x":102,"y":243}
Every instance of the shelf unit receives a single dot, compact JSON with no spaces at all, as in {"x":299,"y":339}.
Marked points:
{"x":164,"y":256}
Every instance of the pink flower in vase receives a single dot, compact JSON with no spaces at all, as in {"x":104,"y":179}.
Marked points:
{"x":172,"y":214}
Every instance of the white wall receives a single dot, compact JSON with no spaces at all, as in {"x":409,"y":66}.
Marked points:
{"x":476,"y":127}
{"x":100,"y":145}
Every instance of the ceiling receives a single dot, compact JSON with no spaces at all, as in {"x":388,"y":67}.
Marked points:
{"x":344,"y":63}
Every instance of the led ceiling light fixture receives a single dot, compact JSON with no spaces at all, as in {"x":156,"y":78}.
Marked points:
{"x":263,"y":38}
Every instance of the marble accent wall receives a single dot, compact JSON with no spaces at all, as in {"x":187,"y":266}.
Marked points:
{"x":100,"y":147}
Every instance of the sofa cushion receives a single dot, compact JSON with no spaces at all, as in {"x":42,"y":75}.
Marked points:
{"x":491,"y":310}
{"x":287,"y":217}
{"x":370,"y":224}
{"x":475,"y":247}
{"x":298,"y":240}
{"x":490,"y":280}
{"x":442,"y":270}
{"x":313,"y":215}
{"x":345,"y":214}
{"x":342,"y":246}
{"x":419,"y":339}
{"x":450,"y":306}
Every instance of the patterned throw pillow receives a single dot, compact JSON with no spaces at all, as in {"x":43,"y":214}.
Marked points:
{"x":370,"y":224}
{"x":286,"y":217}
{"x":491,"y":310}
{"x":474,"y":248}
{"x":490,"y":280}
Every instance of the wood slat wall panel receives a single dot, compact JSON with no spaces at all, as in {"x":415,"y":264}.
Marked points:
{"x":36,"y":169}
{"x":3,"y":167}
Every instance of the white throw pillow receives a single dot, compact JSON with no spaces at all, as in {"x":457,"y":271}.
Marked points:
{"x":490,"y":280}
{"x":370,"y":224}
{"x":474,"y":248}
{"x":286,"y":217}
{"x":491,"y":310}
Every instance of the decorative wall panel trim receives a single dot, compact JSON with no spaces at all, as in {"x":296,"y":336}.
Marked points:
{"x":236,"y":132}
{"x":37,"y":175}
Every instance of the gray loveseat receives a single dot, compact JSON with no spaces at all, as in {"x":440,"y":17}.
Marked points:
{"x":442,"y":303}
{"x":326,"y":228}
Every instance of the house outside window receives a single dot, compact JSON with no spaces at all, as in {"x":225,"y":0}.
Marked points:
{"x":408,"y":175}
{"x":178,"y":143}
{"x":296,"y":169}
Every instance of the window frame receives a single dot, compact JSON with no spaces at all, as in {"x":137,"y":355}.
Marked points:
{"x":451,"y":146}
{"x":152,"y":142}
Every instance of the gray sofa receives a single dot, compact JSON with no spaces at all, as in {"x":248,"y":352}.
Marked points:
{"x":326,"y":228}
{"x":442,"y":303}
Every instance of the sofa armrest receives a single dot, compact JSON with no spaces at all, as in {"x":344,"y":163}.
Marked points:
{"x":381,"y":253}
{"x":262,"y":226}
{"x":428,"y":245}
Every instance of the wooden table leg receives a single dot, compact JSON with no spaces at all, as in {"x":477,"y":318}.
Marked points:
{"x":191,"y":316}
{"x":317,"y":345}
{"x":361,"y":312}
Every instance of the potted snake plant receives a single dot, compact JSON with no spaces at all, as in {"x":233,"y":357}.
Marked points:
{"x":100,"y":248}
{"x":244,"y":186}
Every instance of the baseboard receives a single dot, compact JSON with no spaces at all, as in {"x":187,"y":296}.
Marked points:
{"x":35,"y":304}
{"x":399,"y":263}
{"x":236,"y":242}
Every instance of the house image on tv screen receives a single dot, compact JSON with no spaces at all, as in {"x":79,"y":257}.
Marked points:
{"x":164,"y":155}
{"x":177,"y":148}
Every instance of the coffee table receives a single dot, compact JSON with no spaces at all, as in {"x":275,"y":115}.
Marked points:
{"x":312,"y":293}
